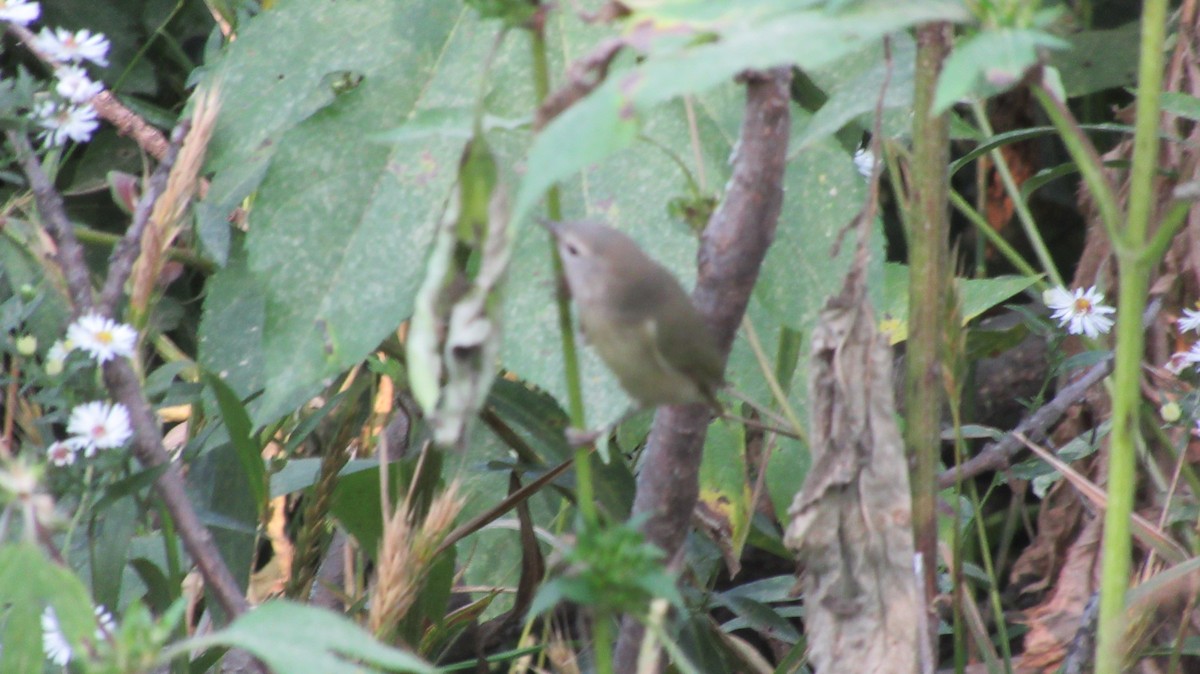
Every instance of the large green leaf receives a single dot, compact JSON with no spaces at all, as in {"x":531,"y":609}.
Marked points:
{"x":991,"y":62}
{"x":302,"y":639}
{"x":978,"y":295}
{"x":341,"y":223}
{"x":218,"y":486}
{"x":231,"y":339}
{"x":1099,"y":59}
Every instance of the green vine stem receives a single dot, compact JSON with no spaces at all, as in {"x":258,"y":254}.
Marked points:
{"x":583,"y":467}
{"x":1014,"y":258}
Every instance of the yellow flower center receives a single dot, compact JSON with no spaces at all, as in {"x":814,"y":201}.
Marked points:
{"x":1083,"y":306}
{"x":104,"y":337}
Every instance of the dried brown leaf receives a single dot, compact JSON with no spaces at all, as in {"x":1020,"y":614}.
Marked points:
{"x":851,"y":523}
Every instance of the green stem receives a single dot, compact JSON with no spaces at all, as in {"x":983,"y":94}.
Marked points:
{"x":602,"y":643}
{"x":1135,"y":267}
{"x":98,"y":238}
{"x":927,"y":223}
{"x":1014,"y":258}
{"x":1167,"y":229}
{"x":989,"y":567}
{"x":170,"y":549}
{"x":1091,"y":169}
{"x":566,"y":328}
{"x":1014,"y":192}
{"x":1115,"y":563}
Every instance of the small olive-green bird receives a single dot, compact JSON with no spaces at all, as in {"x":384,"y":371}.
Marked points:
{"x":637,"y":317}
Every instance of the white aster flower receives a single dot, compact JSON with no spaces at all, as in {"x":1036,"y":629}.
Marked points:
{"x":103,"y":338}
{"x":61,"y":453}
{"x":1190,"y":320}
{"x":1080,"y":311}
{"x":864,"y":161}
{"x":98,"y":425}
{"x":61,"y":121}
{"x":60,"y":350}
{"x":54,"y":642}
{"x":75,"y":85}
{"x":107,"y":623}
{"x":66,"y":47}
{"x":1182,"y":359}
{"x":56,"y":357}
{"x":19,"y":11}
{"x":1057,"y":297}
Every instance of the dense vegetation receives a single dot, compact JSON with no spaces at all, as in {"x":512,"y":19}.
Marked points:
{"x":292,"y":381}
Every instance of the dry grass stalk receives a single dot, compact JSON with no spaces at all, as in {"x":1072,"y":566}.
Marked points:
{"x":166,"y":220}
{"x":406,"y":555}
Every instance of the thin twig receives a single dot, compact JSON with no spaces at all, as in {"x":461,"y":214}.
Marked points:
{"x":998,"y":454}
{"x":54,"y":219}
{"x":583,"y":77}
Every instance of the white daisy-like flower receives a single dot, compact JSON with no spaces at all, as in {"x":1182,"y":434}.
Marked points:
{"x":1057,"y":297}
{"x":60,"y":350}
{"x":61,"y":453}
{"x":74,"y":84}
{"x":1080,"y":311}
{"x":1182,"y":359}
{"x":864,"y":161}
{"x":98,"y":425}
{"x":54,"y":642}
{"x":103,"y":338}
{"x":107,"y":623}
{"x":19,"y":11}
{"x":66,"y":47}
{"x":1190,"y":320}
{"x":61,"y":121}
{"x":56,"y":357}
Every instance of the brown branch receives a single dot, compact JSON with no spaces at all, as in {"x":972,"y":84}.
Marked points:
{"x":583,"y":77}
{"x":125,"y":253}
{"x":997,"y":455}
{"x":127,"y":122}
{"x":731,"y":254}
{"x":124,"y":385}
{"x":54,"y":218}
